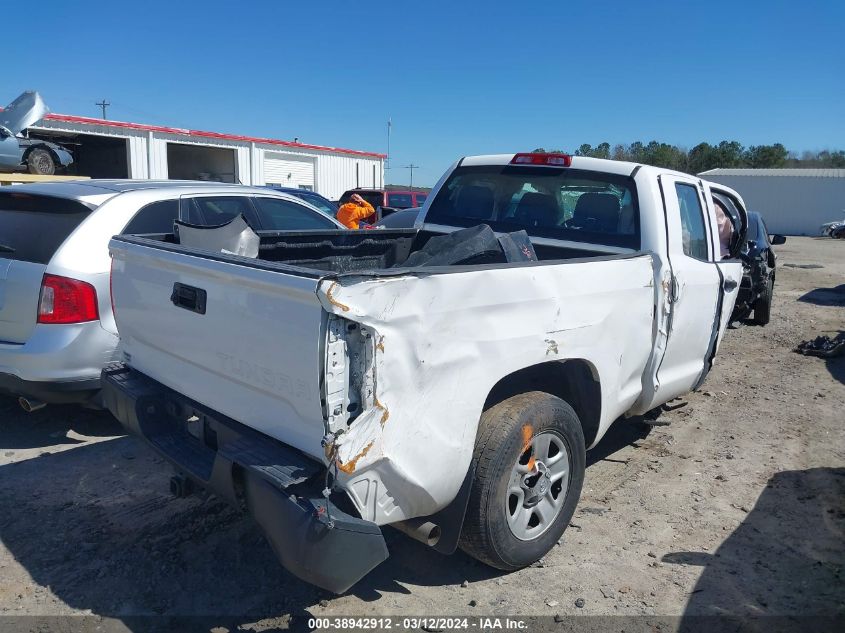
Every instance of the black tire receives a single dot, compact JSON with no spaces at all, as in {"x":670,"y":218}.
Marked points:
{"x":40,"y":161}
{"x":763,"y":305}
{"x":500,"y":442}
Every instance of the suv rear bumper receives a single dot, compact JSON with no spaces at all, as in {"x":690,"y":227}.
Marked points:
{"x":282,"y":489}
{"x":52,"y":392}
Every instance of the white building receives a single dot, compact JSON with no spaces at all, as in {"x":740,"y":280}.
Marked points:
{"x":791,"y":201}
{"x":116,"y":149}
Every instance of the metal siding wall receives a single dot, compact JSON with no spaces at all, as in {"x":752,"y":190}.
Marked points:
{"x":336,"y":173}
{"x":791,"y":205}
{"x":138,"y":157}
{"x":243,"y":166}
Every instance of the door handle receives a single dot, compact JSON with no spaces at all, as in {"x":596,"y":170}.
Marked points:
{"x":189,"y":298}
{"x":730,"y":284}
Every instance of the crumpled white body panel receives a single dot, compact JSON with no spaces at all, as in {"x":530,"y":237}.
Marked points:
{"x":444,"y":340}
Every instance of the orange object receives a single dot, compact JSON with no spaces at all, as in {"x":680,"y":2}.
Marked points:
{"x":351,"y":213}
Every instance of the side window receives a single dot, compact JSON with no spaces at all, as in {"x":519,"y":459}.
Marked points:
{"x":157,"y":217}
{"x":216,"y":210}
{"x":692,"y":222}
{"x":276,"y":214}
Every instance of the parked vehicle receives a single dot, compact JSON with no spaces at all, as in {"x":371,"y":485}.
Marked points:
{"x":444,"y":380}
{"x":57,"y":330}
{"x":403,"y":219}
{"x":758,"y":272}
{"x":386,"y":202}
{"x":311,"y":197}
{"x":18,"y":152}
{"x":828,"y":229}
{"x":838,"y":233}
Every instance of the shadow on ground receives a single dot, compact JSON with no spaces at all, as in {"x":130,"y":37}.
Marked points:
{"x":50,"y":426}
{"x":97,"y":525}
{"x":825,"y":296}
{"x":786,"y":558}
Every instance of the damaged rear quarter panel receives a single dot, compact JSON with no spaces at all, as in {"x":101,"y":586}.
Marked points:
{"x":444,"y":338}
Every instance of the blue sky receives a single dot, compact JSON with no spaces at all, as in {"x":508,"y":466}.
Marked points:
{"x":456,"y":78}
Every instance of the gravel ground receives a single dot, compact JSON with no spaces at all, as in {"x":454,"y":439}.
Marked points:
{"x":736,"y":507}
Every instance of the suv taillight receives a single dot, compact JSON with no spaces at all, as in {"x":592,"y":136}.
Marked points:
{"x":65,"y":300}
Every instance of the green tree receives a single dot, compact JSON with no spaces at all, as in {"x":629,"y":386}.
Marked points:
{"x":760,"y":156}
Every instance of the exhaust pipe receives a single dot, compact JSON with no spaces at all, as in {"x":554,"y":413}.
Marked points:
{"x":420,"y":529}
{"x":30,"y":405}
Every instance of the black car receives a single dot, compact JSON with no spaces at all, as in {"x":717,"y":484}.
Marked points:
{"x":758,"y":277}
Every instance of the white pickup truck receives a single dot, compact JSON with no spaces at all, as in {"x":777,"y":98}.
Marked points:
{"x":445,"y":380}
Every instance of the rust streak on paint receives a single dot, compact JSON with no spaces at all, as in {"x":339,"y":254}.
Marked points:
{"x":380,"y":344}
{"x":349,"y":467}
{"x":334,"y":301}
{"x":527,"y":436}
{"x":385,"y":413}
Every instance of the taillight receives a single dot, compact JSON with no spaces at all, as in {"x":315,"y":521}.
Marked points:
{"x":539,"y":158}
{"x":65,"y":300}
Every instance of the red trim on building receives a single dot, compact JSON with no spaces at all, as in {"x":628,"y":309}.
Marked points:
{"x":69,"y":118}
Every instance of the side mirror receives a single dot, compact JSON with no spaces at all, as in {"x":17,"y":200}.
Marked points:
{"x":776,"y":240}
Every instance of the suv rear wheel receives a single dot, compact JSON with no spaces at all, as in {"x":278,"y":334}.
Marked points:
{"x":529,"y":463}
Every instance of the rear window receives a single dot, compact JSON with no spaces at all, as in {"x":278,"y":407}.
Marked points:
{"x":375,"y":198}
{"x":399,"y":200}
{"x":33,"y":227}
{"x":566,"y":204}
{"x":421,"y":198}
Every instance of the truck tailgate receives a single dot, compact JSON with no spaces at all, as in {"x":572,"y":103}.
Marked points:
{"x":179,"y":314}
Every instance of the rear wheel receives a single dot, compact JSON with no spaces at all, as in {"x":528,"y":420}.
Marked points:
{"x":763,"y":305}
{"x":40,"y":161}
{"x":529,"y":463}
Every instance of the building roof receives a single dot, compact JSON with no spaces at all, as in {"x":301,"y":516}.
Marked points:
{"x":805,"y":173}
{"x":68,"y":118}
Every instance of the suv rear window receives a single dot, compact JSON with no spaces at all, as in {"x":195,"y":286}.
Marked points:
{"x":559,"y":203}
{"x":399,"y":200}
{"x":32,"y":227}
{"x":375,"y":198}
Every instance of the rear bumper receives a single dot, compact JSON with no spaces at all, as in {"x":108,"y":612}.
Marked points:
{"x":52,"y":392}
{"x":313,"y":538}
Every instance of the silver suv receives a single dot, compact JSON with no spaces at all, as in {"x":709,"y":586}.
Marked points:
{"x":57,"y":329}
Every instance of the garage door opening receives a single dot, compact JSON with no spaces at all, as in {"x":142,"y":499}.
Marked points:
{"x":196,"y":162}
{"x":93,"y":156}
{"x":286,"y":170}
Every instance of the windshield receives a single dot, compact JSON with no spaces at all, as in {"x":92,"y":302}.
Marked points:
{"x":33,"y":227}
{"x":566,"y":204}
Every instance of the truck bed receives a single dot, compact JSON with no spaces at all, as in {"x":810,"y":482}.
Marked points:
{"x":354,"y":251}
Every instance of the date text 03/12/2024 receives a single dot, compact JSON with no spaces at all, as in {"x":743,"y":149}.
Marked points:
{"x":417,"y":623}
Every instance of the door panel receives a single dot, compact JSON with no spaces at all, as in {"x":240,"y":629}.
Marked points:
{"x":694,"y":290}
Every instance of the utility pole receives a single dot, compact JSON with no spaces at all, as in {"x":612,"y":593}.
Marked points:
{"x":412,"y":167}
{"x":103,"y":104}
{"x":387,"y":160}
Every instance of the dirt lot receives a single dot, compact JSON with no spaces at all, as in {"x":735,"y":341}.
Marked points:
{"x":737,"y":506}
